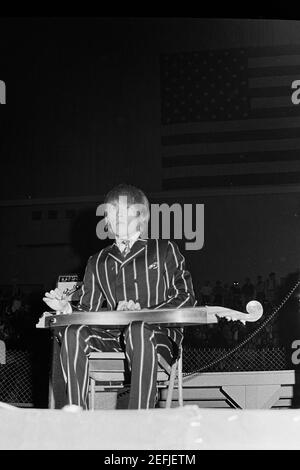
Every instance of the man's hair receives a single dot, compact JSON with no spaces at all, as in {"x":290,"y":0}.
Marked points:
{"x":134,"y":196}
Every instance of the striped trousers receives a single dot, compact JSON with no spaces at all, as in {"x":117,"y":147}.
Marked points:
{"x":142,"y":344}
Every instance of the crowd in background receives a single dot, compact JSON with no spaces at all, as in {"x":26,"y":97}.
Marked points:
{"x":227,"y":334}
{"x":237,"y":295}
{"x":19,"y":314}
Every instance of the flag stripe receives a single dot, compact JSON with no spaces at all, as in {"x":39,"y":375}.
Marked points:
{"x":274,"y":71}
{"x":231,"y":136}
{"x":230,"y":158}
{"x":272,"y":102}
{"x":229,"y":169}
{"x":234,"y":125}
{"x":292,"y":110}
{"x":231,"y":147}
{"x":278,"y":82}
{"x":271,"y":51}
{"x":284,"y":91}
{"x":231,"y":180}
{"x":274,"y":61}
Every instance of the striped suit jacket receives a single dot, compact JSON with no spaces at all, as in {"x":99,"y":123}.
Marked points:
{"x":153,"y":274}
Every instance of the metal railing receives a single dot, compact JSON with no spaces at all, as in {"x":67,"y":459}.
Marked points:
{"x":16,"y":378}
{"x":195,"y":360}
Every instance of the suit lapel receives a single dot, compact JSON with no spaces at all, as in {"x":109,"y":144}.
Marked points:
{"x":114,"y":252}
{"x":137,"y":248}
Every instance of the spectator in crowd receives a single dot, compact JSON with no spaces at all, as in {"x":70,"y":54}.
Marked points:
{"x":271,"y":286}
{"x":218,"y":292}
{"x":260,"y":290}
{"x":10,"y":329}
{"x":247,"y":291}
{"x":226,"y":295}
{"x":236,"y":300}
{"x":206,"y":293}
{"x":16,"y":324}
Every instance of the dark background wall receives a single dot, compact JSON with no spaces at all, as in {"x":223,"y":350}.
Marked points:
{"x":83,"y":113}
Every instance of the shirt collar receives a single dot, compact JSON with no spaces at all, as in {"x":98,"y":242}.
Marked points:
{"x":131,"y":240}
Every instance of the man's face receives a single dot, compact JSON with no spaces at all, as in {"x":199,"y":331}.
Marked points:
{"x":124,"y":218}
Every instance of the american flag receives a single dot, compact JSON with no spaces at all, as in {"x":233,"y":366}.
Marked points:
{"x":228,"y":118}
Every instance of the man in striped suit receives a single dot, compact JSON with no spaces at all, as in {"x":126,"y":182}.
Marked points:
{"x":132,"y":273}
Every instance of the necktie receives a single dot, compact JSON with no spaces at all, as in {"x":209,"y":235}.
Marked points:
{"x":126,"y":249}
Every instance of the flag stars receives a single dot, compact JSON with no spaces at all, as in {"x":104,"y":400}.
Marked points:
{"x":204,"y":86}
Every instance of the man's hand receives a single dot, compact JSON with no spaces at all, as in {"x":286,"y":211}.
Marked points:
{"x":57,"y":300}
{"x":130,"y":305}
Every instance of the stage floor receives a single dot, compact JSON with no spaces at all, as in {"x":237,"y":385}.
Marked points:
{"x":189,"y":428}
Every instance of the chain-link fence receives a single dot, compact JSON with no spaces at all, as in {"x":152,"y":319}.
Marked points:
{"x":210,"y":360}
{"x":16,"y":378}
{"x":16,"y":373}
